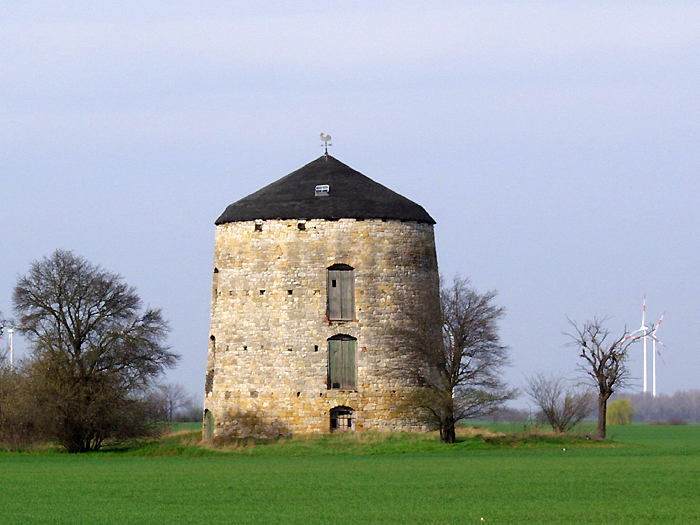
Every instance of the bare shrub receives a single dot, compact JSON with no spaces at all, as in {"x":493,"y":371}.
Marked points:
{"x":562,"y":405}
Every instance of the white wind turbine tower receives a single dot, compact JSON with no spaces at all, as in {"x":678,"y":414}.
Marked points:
{"x":10,"y":332}
{"x":644,"y":330}
{"x":655,"y":340}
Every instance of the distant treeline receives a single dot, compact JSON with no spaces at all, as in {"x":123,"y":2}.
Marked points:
{"x":677,"y":409}
{"x":683,"y":406}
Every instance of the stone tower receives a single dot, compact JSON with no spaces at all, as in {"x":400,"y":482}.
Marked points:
{"x":312,"y":278}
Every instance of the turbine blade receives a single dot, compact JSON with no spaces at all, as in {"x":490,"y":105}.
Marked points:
{"x":660,"y":320}
{"x":643,"y":329}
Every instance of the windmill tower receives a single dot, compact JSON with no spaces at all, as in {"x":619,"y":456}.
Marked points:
{"x":312,"y":274}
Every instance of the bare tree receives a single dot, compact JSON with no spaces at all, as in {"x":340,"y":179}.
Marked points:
{"x":562,"y":405}
{"x":455,"y":356}
{"x":94,"y":350}
{"x":605,"y":361}
{"x":169,"y":399}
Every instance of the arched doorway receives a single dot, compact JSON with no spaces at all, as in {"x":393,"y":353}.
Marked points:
{"x":208,"y":425}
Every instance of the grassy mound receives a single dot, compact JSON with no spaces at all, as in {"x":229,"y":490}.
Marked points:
{"x":187,"y":442}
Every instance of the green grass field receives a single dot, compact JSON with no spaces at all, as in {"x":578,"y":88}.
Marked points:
{"x":653,"y":478}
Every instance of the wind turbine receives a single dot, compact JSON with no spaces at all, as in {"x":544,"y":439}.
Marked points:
{"x":655,"y":340}
{"x":11,"y":331}
{"x":644,"y":329}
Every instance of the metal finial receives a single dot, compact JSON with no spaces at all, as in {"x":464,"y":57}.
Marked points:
{"x":325,"y":139}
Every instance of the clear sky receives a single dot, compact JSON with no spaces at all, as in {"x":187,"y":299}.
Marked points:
{"x":555,"y":144}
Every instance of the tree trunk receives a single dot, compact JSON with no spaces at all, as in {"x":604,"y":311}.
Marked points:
{"x":447,"y":431}
{"x":602,"y":411}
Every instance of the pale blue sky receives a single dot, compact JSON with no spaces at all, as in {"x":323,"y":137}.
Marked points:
{"x":555,"y":143}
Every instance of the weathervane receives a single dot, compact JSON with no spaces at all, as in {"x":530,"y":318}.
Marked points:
{"x":325,"y":139}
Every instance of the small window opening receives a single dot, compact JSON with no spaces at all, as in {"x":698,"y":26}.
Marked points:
{"x":290,"y":292}
{"x":262,"y":292}
{"x":245,"y":348}
{"x":298,"y":394}
{"x":301,"y":225}
{"x":216,"y":270}
{"x":322,"y":190}
{"x":334,"y":283}
{"x":289,"y":349}
{"x":258,"y":225}
{"x":342,"y":419}
{"x":315,"y":348}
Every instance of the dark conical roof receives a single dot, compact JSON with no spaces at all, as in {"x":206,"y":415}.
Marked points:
{"x":352,"y":196}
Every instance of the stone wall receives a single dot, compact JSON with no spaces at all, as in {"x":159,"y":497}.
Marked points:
{"x":268,"y":354}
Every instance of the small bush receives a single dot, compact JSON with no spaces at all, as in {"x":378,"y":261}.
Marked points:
{"x":619,"y":412}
